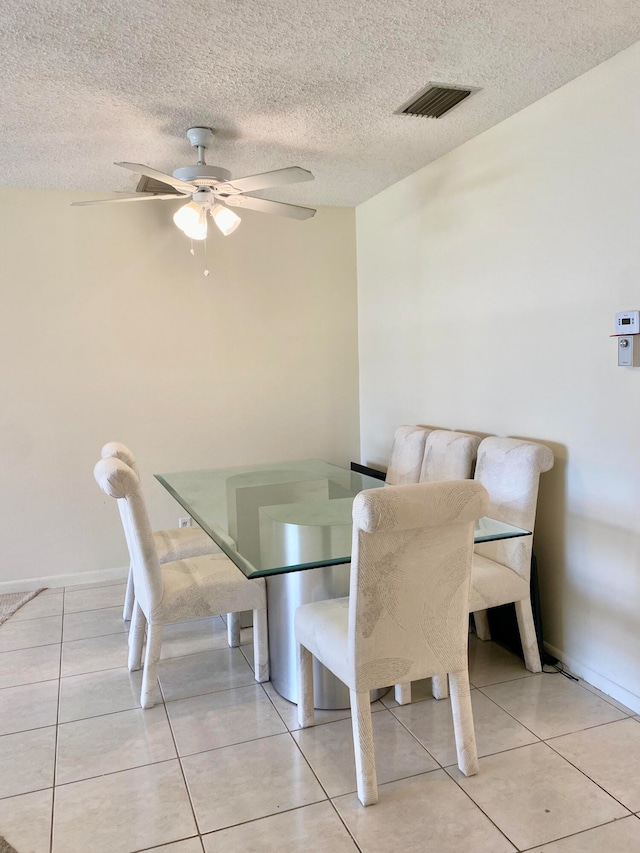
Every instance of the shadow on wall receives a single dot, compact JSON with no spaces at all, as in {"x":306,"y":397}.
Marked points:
{"x":550,"y":539}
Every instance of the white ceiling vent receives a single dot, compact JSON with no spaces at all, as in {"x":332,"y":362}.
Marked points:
{"x":435,"y":100}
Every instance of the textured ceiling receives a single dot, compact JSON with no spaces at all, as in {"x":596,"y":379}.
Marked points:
{"x":284,"y":82}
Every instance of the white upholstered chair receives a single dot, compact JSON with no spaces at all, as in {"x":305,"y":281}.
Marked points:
{"x":177,"y":591}
{"x":448,"y":455}
{"x":406,"y":616}
{"x":509,"y":469}
{"x":407,"y":453}
{"x":171,"y":544}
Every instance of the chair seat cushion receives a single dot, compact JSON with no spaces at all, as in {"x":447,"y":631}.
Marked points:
{"x":322,"y":627}
{"x":206,"y":586}
{"x":182,"y":542}
{"x":493,"y":584}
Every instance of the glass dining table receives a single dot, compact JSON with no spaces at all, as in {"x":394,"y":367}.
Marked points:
{"x":289,"y":522}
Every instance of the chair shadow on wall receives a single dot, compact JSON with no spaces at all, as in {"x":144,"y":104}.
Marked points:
{"x":550,"y":537}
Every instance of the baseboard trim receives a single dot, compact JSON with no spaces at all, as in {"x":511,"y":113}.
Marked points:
{"x":595,"y":679}
{"x":70,"y":579}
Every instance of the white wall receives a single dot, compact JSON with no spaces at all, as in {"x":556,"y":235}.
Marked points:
{"x":110,"y":331}
{"x":487,"y":287}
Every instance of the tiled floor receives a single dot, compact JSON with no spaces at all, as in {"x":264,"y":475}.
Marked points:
{"x":219,"y":764}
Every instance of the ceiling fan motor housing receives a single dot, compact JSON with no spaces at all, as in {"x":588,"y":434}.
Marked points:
{"x":203,"y":175}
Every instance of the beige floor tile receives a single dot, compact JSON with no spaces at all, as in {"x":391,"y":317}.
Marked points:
{"x":490,"y":663}
{"x":610,"y":755}
{"x":98,"y":693}
{"x":191,"y":845}
{"x":25,"y":821}
{"x":240,"y":792}
{"x":629,"y":711}
{"x":94,"y":598}
{"x":312,"y":829}
{"x":40,"y":607}
{"x":190,"y":638}
{"x":76,"y":587}
{"x":131,"y":810}
{"x":247,"y":652}
{"x":26,"y":761}
{"x":221,"y":719}
{"x":432,"y":723}
{"x":289,"y":711}
{"x":29,"y":665}
{"x":551,"y":705}
{"x":420,"y":814}
{"x":534,"y":796}
{"x":31,"y":706}
{"x":33,"y":632}
{"x":621,"y":836}
{"x":114,"y":742}
{"x":93,"y":623}
{"x":207,"y":672}
{"x":94,"y":654}
{"x":329,"y":751}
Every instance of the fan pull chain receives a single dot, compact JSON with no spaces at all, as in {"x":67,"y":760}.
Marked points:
{"x":206,"y":271}
{"x":192,"y":249}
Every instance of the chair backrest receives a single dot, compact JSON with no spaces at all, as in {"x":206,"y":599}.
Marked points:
{"x":510,"y":469}
{"x":117,"y":450}
{"x":407,"y":453}
{"x":118,"y":480}
{"x":409,"y":583}
{"x":448,"y":455}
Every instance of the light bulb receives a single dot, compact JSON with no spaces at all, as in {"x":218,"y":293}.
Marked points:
{"x":187,"y":215}
{"x":226,"y":220}
{"x":192,"y":219}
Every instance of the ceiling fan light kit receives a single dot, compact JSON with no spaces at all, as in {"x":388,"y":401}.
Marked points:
{"x":213,"y":190}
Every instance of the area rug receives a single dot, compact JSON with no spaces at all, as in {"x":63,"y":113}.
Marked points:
{"x":5,"y":847}
{"x":9,"y":603}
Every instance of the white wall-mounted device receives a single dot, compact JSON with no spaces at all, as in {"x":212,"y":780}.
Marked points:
{"x":627,"y":323}
{"x":628,"y":350}
{"x":627,"y":334}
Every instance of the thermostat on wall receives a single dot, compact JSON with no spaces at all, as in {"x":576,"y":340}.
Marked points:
{"x":627,"y":323}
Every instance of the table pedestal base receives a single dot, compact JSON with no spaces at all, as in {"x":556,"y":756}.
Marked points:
{"x":284,"y":594}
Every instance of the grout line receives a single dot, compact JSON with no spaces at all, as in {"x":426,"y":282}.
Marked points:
{"x":576,"y":834}
{"x":55,"y":751}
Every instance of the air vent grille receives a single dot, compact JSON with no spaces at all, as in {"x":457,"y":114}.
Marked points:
{"x":150,"y":185}
{"x":435,"y":100}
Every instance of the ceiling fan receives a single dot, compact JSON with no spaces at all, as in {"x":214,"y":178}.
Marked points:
{"x":211,"y":189}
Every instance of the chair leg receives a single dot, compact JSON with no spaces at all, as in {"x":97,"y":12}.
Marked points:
{"x":439,"y":686}
{"x":528,"y":636}
{"x":463,"y":722}
{"x":129,"y":598}
{"x":306,"y":716}
{"x":136,"y":638}
{"x":233,"y":630}
{"x":481,"y":621}
{"x":260,"y":644}
{"x":363,"y":747}
{"x":151,"y":658}
{"x":402,"y":693}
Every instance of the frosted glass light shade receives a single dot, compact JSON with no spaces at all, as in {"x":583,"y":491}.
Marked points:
{"x":191,"y":219}
{"x":226,"y":220}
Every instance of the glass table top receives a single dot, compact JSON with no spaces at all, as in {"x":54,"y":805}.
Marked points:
{"x":286,"y":516}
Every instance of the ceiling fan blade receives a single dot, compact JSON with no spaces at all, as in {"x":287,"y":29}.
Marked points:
{"x":149,"y":197}
{"x":277,"y":178}
{"x":139,"y":169}
{"x":293,"y":211}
